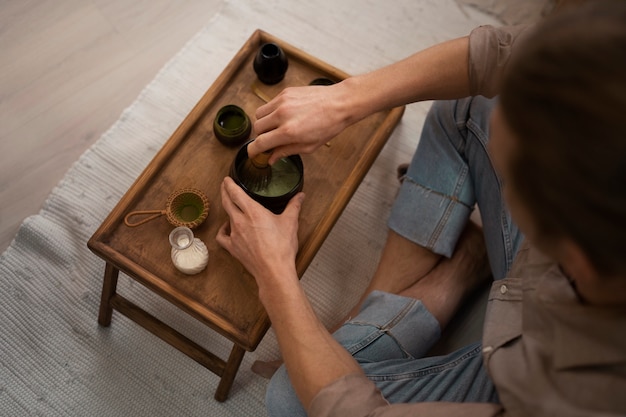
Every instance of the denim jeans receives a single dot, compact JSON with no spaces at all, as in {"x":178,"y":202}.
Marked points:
{"x":450,"y":173}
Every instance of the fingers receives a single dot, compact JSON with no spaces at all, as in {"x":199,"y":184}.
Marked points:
{"x":223,"y":236}
{"x":267,"y":121}
{"x":232,"y":201}
{"x":236,"y":202}
{"x":266,"y":109}
{"x":270,"y":140}
{"x":284,"y":151}
{"x":295,"y":205}
{"x":262,"y":143}
{"x":281,"y":145}
{"x":227,"y":191}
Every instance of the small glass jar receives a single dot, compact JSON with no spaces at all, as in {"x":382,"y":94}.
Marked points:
{"x":189,"y":254}
{"x":231,"y":125}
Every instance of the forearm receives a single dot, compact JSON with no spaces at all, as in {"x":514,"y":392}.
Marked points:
{"x":266,"y":245}
{"x":312,"y":357}
{"x":301,"y":119}
{"x":437,"y":73}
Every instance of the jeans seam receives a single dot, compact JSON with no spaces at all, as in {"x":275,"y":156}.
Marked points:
{"x":385,"y":329}
{"x":450,"y":208}
{"x":452,"y":201}
{"x":355,"y":348}
{"x":478,"y":132}
{"x":440,"y":225}
{"x":405,"y":310}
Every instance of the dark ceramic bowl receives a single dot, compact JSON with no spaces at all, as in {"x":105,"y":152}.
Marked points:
{"x":270,"y":63}
{"x":232,"y":125}
{"x":276,"y":202}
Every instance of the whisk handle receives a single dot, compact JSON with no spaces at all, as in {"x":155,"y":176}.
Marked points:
{"x":261,"y":160}
{"x":154,"y":215}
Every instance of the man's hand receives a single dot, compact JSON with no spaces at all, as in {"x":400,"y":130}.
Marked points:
{"x":265,"y":243}
{"x":299,"y":120}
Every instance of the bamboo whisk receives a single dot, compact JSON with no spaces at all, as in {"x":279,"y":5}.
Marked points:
{"x":256,"y":173}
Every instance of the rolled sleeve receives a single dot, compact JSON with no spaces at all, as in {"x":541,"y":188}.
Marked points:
{"x":352,"y":395}
{"x":490,"y":49}
{"x":356,"y":396}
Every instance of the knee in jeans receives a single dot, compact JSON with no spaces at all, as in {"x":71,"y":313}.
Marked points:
{"x":281,"y":399}
{"x":455,"y":114}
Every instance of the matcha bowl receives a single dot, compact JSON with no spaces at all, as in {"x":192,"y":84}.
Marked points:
{"x":286,"y":181}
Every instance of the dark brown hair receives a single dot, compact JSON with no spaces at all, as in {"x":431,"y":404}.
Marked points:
{"x":564,"y":97}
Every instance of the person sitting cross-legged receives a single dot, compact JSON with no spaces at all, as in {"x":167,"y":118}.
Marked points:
{"x":544,"y":159}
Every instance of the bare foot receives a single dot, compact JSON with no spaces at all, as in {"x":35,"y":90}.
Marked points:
{"x":401,"y":265}
{"x":266,"y":368}
{"x":401,"y":172}
{"x":444,"y":289}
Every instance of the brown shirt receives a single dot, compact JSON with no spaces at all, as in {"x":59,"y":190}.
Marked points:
{"x":547,"y":353}
{"x":489,"y":52}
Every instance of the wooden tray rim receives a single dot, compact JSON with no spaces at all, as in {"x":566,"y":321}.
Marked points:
{"x":307,"y":250}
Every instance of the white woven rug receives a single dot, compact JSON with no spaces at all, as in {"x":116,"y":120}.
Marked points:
{"x":54,"y":358}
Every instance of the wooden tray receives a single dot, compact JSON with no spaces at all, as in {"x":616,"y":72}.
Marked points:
{"x":225,"y":296}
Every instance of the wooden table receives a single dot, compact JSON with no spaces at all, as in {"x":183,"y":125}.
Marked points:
{"x":225,"y":296}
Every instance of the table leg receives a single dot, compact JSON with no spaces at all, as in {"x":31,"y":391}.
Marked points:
{"x":109,"y":298}
{"x":109,"y":286}
{"x":230,"y":370}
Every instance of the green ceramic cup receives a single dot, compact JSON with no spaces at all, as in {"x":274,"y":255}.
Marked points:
{"x":232,"y":125}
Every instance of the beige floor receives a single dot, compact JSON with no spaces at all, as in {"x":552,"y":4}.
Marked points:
{"x":68,"y":68}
